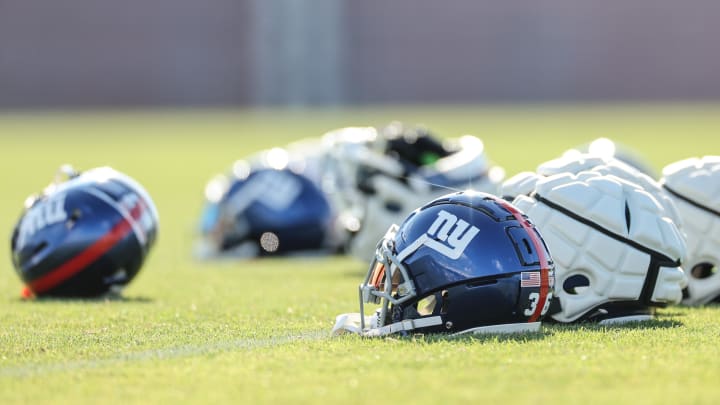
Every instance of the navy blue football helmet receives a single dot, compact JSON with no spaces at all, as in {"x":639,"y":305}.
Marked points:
{"x":465,"y":262}
{"x":84,"y":237}
{"x":261,"y":212}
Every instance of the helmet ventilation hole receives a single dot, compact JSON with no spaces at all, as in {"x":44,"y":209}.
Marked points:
{"x":527,"y":246}
{"x":576,"y":284}
{"x":703,"y":270}
{"x":39,"y":248}
{"x":74,"y":217}
{"x":627,"y":216}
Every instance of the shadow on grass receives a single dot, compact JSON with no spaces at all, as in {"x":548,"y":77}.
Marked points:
{"x":640,"y":325}
{"x":90,"y":300}
{"x":479,"y":337}
{"x":501,"y":337}
{"x":666,"y":314}
{"x":548,"y":329}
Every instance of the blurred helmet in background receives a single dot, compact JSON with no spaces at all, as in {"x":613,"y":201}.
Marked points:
{"x":263,"y":211}
{"x":305,"y":157}
{"x":85,"y":236}
{"x":466,"y":262}
{"x":381,"y":176}
{"x":694,"y":185}
{"x":616,"y":253}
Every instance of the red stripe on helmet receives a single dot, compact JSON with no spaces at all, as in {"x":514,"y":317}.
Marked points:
{"x":87,"y":256}
{"x":540,"y":249}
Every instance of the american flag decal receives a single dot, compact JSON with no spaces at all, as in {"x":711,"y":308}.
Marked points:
{"x":530,"y":279}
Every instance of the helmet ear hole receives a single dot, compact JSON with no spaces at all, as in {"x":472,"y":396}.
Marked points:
{"x":576,"y":284}
{"x":426,"y":306}
{"x":703,"y":270}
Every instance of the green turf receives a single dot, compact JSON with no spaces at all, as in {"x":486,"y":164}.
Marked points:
{"x":257,"y":331}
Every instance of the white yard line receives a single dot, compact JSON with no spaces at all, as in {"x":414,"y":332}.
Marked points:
{"x":168,"y":353}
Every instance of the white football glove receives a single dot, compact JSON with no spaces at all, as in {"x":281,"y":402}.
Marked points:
{"x":694,"y":185}
{"x":616,"y":253}
{"x":523,"y":183}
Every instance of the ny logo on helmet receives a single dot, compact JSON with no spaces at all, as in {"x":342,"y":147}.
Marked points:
{"x":449,"y":236}
{"x":40,"y":216}
{"x":275,"y":189}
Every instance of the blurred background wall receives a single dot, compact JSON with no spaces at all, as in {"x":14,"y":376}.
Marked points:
{"x":75,"y":53}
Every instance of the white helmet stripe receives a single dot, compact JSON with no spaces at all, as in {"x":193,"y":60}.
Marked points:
{"x":137,"y":229}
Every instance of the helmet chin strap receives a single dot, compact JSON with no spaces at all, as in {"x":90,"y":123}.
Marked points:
{"x":405,"y":325}
{"x":351,"y":322}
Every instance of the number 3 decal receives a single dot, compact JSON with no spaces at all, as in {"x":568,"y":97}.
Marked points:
{"x":534,"y":298}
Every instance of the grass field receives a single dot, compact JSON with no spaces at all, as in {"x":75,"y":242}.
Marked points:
{"x":258,"y":331}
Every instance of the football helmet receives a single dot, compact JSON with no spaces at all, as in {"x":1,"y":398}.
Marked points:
{"x":616,"y":253}
{"x":263,"y":211}
{"x":381,"y":176}
{"x":85,"y":236}
{"x":467,"y":262}
{"x":694,"y":185}
{"x":305,"y":157}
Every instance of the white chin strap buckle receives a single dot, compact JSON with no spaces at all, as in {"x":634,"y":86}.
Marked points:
{"x":350,"y":323}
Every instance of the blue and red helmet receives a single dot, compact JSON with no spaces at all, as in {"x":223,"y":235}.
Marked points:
{"x":263,"y":212}
{"x":84,"y":237}
{"x":465,"y":262}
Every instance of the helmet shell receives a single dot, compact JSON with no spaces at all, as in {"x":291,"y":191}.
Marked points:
{"x":495,"y":251}
{"x":86,"y":236}
{"x":272,"y":211}
{"x":481,"y":259}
